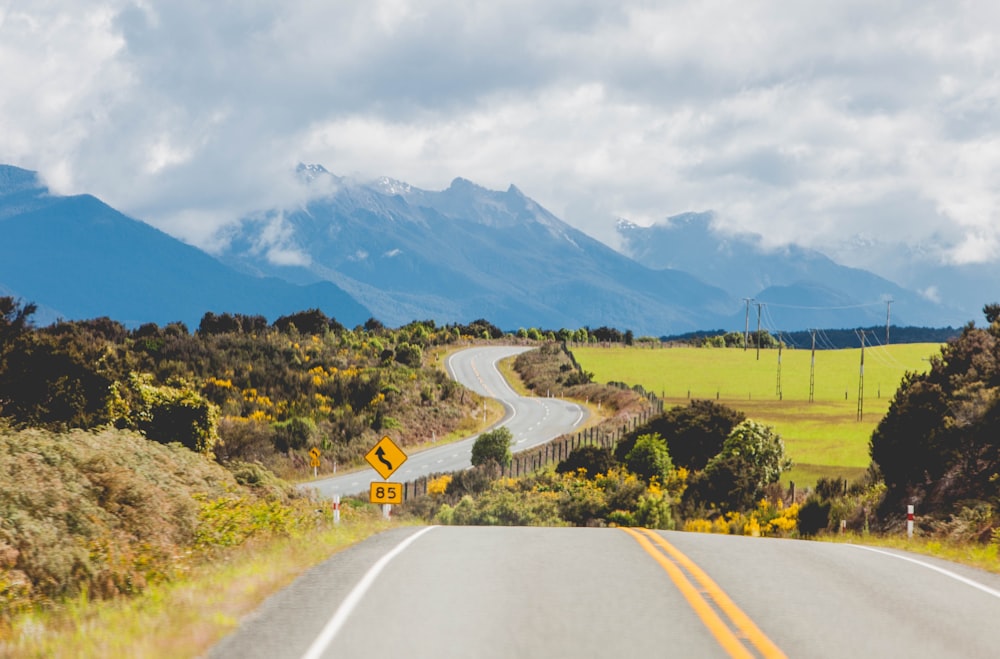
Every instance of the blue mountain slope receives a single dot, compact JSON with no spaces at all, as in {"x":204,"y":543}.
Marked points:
{"x":83,"y":259}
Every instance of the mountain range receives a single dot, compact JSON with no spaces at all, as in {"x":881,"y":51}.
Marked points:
{"x":388,"y":250}
{"x":77,"y":258}
{"x":800,"y":288}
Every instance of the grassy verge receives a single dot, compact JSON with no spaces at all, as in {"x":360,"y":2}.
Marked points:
{"x":185,"y":617}
{"x":982,"y":556}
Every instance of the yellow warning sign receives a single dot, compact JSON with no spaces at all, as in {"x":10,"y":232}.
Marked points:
{"x":385,"y":457}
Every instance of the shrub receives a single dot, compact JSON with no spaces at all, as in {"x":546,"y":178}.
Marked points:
{"x":294,"y":434}
{"x":814,"y":516}
{"x":472,"y":481}
{"x":592,"y":459}
{"x":752,"y":457}
{"x":694,"y":434}
{"x":493,"y":446}
{"x":650,"y":459}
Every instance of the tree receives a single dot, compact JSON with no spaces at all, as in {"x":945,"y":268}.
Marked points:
{"x":15,"y":319}
{"x":938,"y":444}
{"x":992,"y":312}
{"x":650,"y":459}
{"x":752,"y":457}
{"x":53,"y":381}
{"x":493,"y":445}
{"x":694,"y":434}
{"x":312,"y":321}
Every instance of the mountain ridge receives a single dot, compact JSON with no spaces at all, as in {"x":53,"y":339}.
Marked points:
{"x":79,"y":258}
{"x":389,"y":250}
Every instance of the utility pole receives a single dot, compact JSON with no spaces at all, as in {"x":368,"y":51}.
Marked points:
{"x":888,"y":307}
{"x":861,"y":380}
{"x":746,"y":328}
{"x":777,"y":390}
{"x":812,"y":370}
{"x":758,"y":331}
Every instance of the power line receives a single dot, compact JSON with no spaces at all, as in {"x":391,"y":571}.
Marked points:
{"x":849,"y":306}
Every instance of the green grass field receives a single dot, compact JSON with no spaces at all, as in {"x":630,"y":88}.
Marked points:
{"x":823,"y":437}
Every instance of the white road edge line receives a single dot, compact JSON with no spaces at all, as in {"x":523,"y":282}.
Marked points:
{"x":947,"y":573}
{"x":353,"y":598}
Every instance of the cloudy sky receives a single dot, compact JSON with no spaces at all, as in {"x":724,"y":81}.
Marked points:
{"x":811,"y":122}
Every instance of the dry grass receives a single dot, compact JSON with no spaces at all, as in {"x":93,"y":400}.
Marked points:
{"x":186,"y":617}
{"x":973,"y":554}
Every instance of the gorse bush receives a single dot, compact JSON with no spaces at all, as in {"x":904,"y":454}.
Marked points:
{"x":548,"y":498}
{"x":305,"y":381}
{"x":109,"y":512}
{"x":770,"y":518}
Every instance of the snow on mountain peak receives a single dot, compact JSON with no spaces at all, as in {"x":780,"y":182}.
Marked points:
{"x":391,"y":186}
{"x":622,"y":224}
{"x":309,"y":173}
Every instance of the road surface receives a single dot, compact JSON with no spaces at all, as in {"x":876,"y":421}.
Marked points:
{"x":532,"y":421}
{"x":440,"y":592}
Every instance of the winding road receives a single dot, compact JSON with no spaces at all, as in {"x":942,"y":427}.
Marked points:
{"x":441,"y":592}
{"x":532,"y":421}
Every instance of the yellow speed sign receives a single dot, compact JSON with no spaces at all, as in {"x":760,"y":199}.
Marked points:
{"x":386,"y":493}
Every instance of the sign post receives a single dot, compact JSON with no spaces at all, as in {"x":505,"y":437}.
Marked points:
{"x":314,"y":460}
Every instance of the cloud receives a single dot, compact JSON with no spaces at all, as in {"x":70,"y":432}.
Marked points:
{"x":804,"y":123}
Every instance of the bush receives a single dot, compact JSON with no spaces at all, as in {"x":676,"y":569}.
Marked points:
{"x":294,"y":434}
{"x":105,"y":512}
{"x":694,"y":434}
{"x":650,"y":459}
{"x":472,"y":481}
{"x":592,"y":459}
{"x":493,"y":445}
{"x":814,"y":516}
{"x":752,"y":457}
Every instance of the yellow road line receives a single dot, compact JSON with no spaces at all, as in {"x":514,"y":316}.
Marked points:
{"x":742,"y":621}
{"x":719,"y":629}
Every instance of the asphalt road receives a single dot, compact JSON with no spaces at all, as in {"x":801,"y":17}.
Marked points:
{"x":532,"y":421}
{"x":440,"y":592}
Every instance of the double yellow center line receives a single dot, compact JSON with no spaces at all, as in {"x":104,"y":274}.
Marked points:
{"x":672,"y":561}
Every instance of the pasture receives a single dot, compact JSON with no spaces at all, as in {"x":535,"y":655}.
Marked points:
{"x":822,"y":436}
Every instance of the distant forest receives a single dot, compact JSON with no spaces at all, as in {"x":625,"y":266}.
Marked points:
{"x":835,"y":339}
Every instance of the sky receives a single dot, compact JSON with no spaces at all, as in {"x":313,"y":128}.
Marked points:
{"x":824,"y":124}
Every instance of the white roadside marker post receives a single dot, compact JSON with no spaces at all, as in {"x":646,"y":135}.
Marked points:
{"x":909,"y":522}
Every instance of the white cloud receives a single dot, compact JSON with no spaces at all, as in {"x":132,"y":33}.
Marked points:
{"x":807,"y":123}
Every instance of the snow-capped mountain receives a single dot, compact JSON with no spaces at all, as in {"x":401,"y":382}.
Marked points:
{"x":465,"y":253}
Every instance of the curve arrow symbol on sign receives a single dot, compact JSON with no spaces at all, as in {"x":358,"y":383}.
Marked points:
{"x":380,"y":454}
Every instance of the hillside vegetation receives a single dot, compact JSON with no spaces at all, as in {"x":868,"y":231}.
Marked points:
{"x":129,"y":456}
{"x":109,"y":513}
{"x":238,"y":387}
